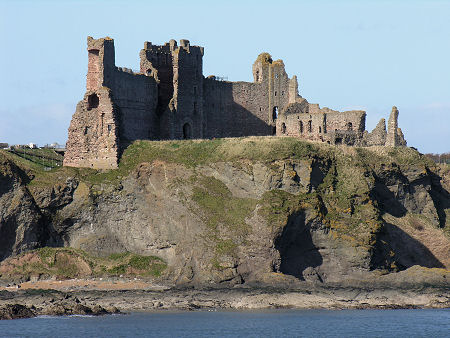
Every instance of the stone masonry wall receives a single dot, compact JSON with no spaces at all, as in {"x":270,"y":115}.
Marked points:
{"x":94,"y":130}
{"x":378,"y":135}
{"x":309,"y":121}
{"x":234,"y":109}
{"x":243,"y":108}
{"x":93,"y":133}
{"x":135,"y":97}
{"x":188,"y":91}
{"x":157,"y":62}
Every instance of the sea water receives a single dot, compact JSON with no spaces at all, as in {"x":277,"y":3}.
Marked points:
{"x":276,"y":323}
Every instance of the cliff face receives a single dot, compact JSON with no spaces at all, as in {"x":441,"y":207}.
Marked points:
{"x":21,"y":226}
{"x":240,"y":210}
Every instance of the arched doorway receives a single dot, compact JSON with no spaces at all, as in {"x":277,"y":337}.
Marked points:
{"x":187,"y":133}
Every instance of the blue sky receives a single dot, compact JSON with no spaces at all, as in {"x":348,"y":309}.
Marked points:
{"x":367,"y":55}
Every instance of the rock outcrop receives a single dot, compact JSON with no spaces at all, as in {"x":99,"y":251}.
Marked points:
{"x":15,"y":311}
{"x":65,"y":306}
{"x":253,"y":210}
{"x":21,"y":224}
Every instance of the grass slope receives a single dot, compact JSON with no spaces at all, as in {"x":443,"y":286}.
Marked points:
{"x":73,"y":263}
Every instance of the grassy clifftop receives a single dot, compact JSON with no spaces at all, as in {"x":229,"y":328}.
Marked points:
{"x":192,"y":153}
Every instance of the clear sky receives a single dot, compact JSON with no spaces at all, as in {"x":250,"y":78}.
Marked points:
{"x":367,"y":55}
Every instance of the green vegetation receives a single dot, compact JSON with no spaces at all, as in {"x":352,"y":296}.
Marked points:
{"x":73,"y":263}
{"x":278,"y":205}
{"x":220,"y":207}
{"x":223,"y":214}
{"x":38,"y":158}
{"x":345,"y":191}
{"x":129,"y":263}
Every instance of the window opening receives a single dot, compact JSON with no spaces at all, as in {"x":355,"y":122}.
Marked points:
{"x":93,"y":101}
{"x":275,"y":113}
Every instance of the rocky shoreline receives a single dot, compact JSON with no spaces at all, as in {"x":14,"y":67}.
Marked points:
{"x":35,"y":302}
{"x":55,"y":306}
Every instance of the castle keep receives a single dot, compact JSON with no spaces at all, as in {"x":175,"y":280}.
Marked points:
{"x":169,"y":98}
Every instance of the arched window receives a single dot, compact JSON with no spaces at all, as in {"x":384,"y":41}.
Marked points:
{"x":349,"y":126}
{"x":320,"y":129}
{"x":187,"y":131}
{"x":310,"y":126}
{"x":93,"y":101}
{"x":283,"y":128}
{"x":301,"y":127}
{"x":275,"y":113}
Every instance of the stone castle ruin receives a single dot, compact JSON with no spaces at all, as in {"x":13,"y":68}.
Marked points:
{"x":169,"y":98}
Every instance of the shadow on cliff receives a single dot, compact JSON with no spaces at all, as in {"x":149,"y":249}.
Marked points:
{"x":398,"y":204}
{"x":387,"y":200}
{"x":296,"y":247}
{"x":394,"y":244}
{"x":441,"y":198}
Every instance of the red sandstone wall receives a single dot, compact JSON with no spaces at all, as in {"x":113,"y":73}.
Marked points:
{"x":94,"y":72}
{"x":93,"y":131}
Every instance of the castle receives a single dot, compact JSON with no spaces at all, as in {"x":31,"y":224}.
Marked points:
{"x":169,"y":98}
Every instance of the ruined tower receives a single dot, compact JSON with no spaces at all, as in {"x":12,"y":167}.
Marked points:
{"x":394,"y":137}
{"x":118,"y":108}
{"x":93,"y":131}
{"x":178,"y":71}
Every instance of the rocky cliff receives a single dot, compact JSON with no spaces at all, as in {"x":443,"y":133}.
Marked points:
{"x":256,"y":210}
